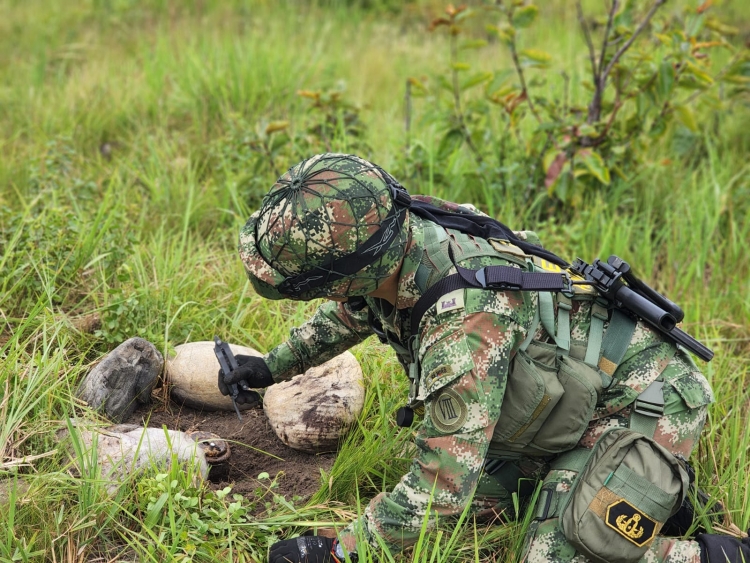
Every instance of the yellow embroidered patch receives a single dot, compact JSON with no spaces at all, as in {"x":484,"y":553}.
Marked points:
{"x":630,"y":523}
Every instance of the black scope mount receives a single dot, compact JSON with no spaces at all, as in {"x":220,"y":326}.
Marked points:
{"x":615,"y":281}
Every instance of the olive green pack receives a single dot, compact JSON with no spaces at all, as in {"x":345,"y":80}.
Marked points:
{"x":626,"y":489}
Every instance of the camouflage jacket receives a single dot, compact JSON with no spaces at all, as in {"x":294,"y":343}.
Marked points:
{"x":465,"y":348}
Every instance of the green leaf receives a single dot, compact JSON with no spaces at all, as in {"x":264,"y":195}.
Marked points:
{"x":665,"y":81}
{"x":461,"y":66}
{"x":473,"y":44}
{"x":534,"y":58}
{"x":595,"y":165}
{"x":464,"y":14}
{"x":701,"y":75}
{"x":586,"y":130}
{"x":686,"y":116}
{"x":154,"y":512}
{"x":450,"y":143}
{"x":474,"y":79}
{"x":721,"y":28}
{"x":694,"y":24}
{"x":658,"y":128}
{"x":665,"y":39}
{"x":506,"y":35}
{"x":523,"y":17}
{"x":445,"y":83}
{"x":499,"y":80}
{"x":740,"y":68}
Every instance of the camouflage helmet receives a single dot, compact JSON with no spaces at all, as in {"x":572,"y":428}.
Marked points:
{"x":334,"y":225}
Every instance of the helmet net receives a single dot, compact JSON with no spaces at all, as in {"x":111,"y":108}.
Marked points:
{"x":315,"y":222}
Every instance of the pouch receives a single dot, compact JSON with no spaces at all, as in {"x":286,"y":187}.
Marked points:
{"x":628,"y":488}
{"x":548,"y":402}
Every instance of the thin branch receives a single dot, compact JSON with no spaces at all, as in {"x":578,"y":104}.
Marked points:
{"x":615,"y":42}
{"x":595,"y":107}
{"x":407,"y":116}
{"x":457,"y":102}
{"x":589,"y":42}
{"x":607,"y":31}
{"x":522,"y":78}
{"x":658,"y":4}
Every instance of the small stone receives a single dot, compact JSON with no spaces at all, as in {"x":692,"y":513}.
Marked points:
{"x":123,"y":379}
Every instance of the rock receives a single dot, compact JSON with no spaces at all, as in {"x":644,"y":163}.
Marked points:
{"x":193,"y":374}
{"x":17,"y":489}
{"x":125,"y":449}
{"x":123,"y":379}
{"x":314,"y":410}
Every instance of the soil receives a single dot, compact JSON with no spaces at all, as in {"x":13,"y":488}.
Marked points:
{"x":255,"y":449}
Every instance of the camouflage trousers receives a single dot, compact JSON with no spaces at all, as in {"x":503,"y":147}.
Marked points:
{"x":677,"y":430}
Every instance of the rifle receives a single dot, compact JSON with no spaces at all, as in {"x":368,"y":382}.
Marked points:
{"x":617,"y":282}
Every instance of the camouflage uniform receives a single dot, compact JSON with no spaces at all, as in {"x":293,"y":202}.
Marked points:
{"x":467,"y":342}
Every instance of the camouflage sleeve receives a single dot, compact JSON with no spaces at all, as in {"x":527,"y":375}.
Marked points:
{"x":464,"y":367}
{"x":333,"y":329}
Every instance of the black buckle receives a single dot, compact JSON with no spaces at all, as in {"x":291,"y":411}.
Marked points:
{"x":481,"y":277}
{"x":544,"y":503}
{"x":491,"y":466}
{"x":400,"y":196}
{"x":568,"y":283}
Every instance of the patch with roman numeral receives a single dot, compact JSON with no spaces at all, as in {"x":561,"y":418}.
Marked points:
{"x":630,"y":523}
{"x":448,"y":411}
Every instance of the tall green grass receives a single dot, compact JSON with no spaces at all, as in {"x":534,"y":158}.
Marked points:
{"x":120,"y":203}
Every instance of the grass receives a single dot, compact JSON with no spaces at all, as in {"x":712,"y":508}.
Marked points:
{"x":127,"y":132}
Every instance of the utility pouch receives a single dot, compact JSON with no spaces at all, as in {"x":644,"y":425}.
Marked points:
{"x":548,"y":402}
{"x":623,"y":495}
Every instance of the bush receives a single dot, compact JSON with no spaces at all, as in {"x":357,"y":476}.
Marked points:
{"x":653,"y":82}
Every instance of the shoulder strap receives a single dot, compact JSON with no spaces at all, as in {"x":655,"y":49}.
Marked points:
{"x":489,"y":277}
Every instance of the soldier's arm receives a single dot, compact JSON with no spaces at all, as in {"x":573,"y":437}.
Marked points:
{"x":465,"y":365}
{"x":333,"y":329}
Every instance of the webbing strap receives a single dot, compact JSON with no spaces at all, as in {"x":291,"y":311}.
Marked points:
{"x":562,"y":339}
{"x":547,"y":313}
{"x":596,"y":334}
{"x":572,"y":460}
{"x":561,"y":336}
{"x":532,"y":330}
{"x":551,"y":499}
{"x":616,"y":341}
{"x":489,"y":277}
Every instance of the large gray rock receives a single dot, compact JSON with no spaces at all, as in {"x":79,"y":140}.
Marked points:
{"x":312,"y":411}
{"x":123,"y":379}
{"x":125,"y":449}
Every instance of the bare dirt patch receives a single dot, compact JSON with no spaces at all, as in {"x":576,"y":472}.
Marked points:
{"x":255,"y":449}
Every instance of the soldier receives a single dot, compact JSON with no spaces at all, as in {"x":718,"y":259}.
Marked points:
{"x":517,"y":386}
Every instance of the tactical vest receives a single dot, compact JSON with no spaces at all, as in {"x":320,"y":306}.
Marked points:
{"x":553,"y":388}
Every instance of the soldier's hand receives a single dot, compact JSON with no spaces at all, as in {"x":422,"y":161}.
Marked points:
{"x":253,"y":372}
{"x":304,"y":549}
